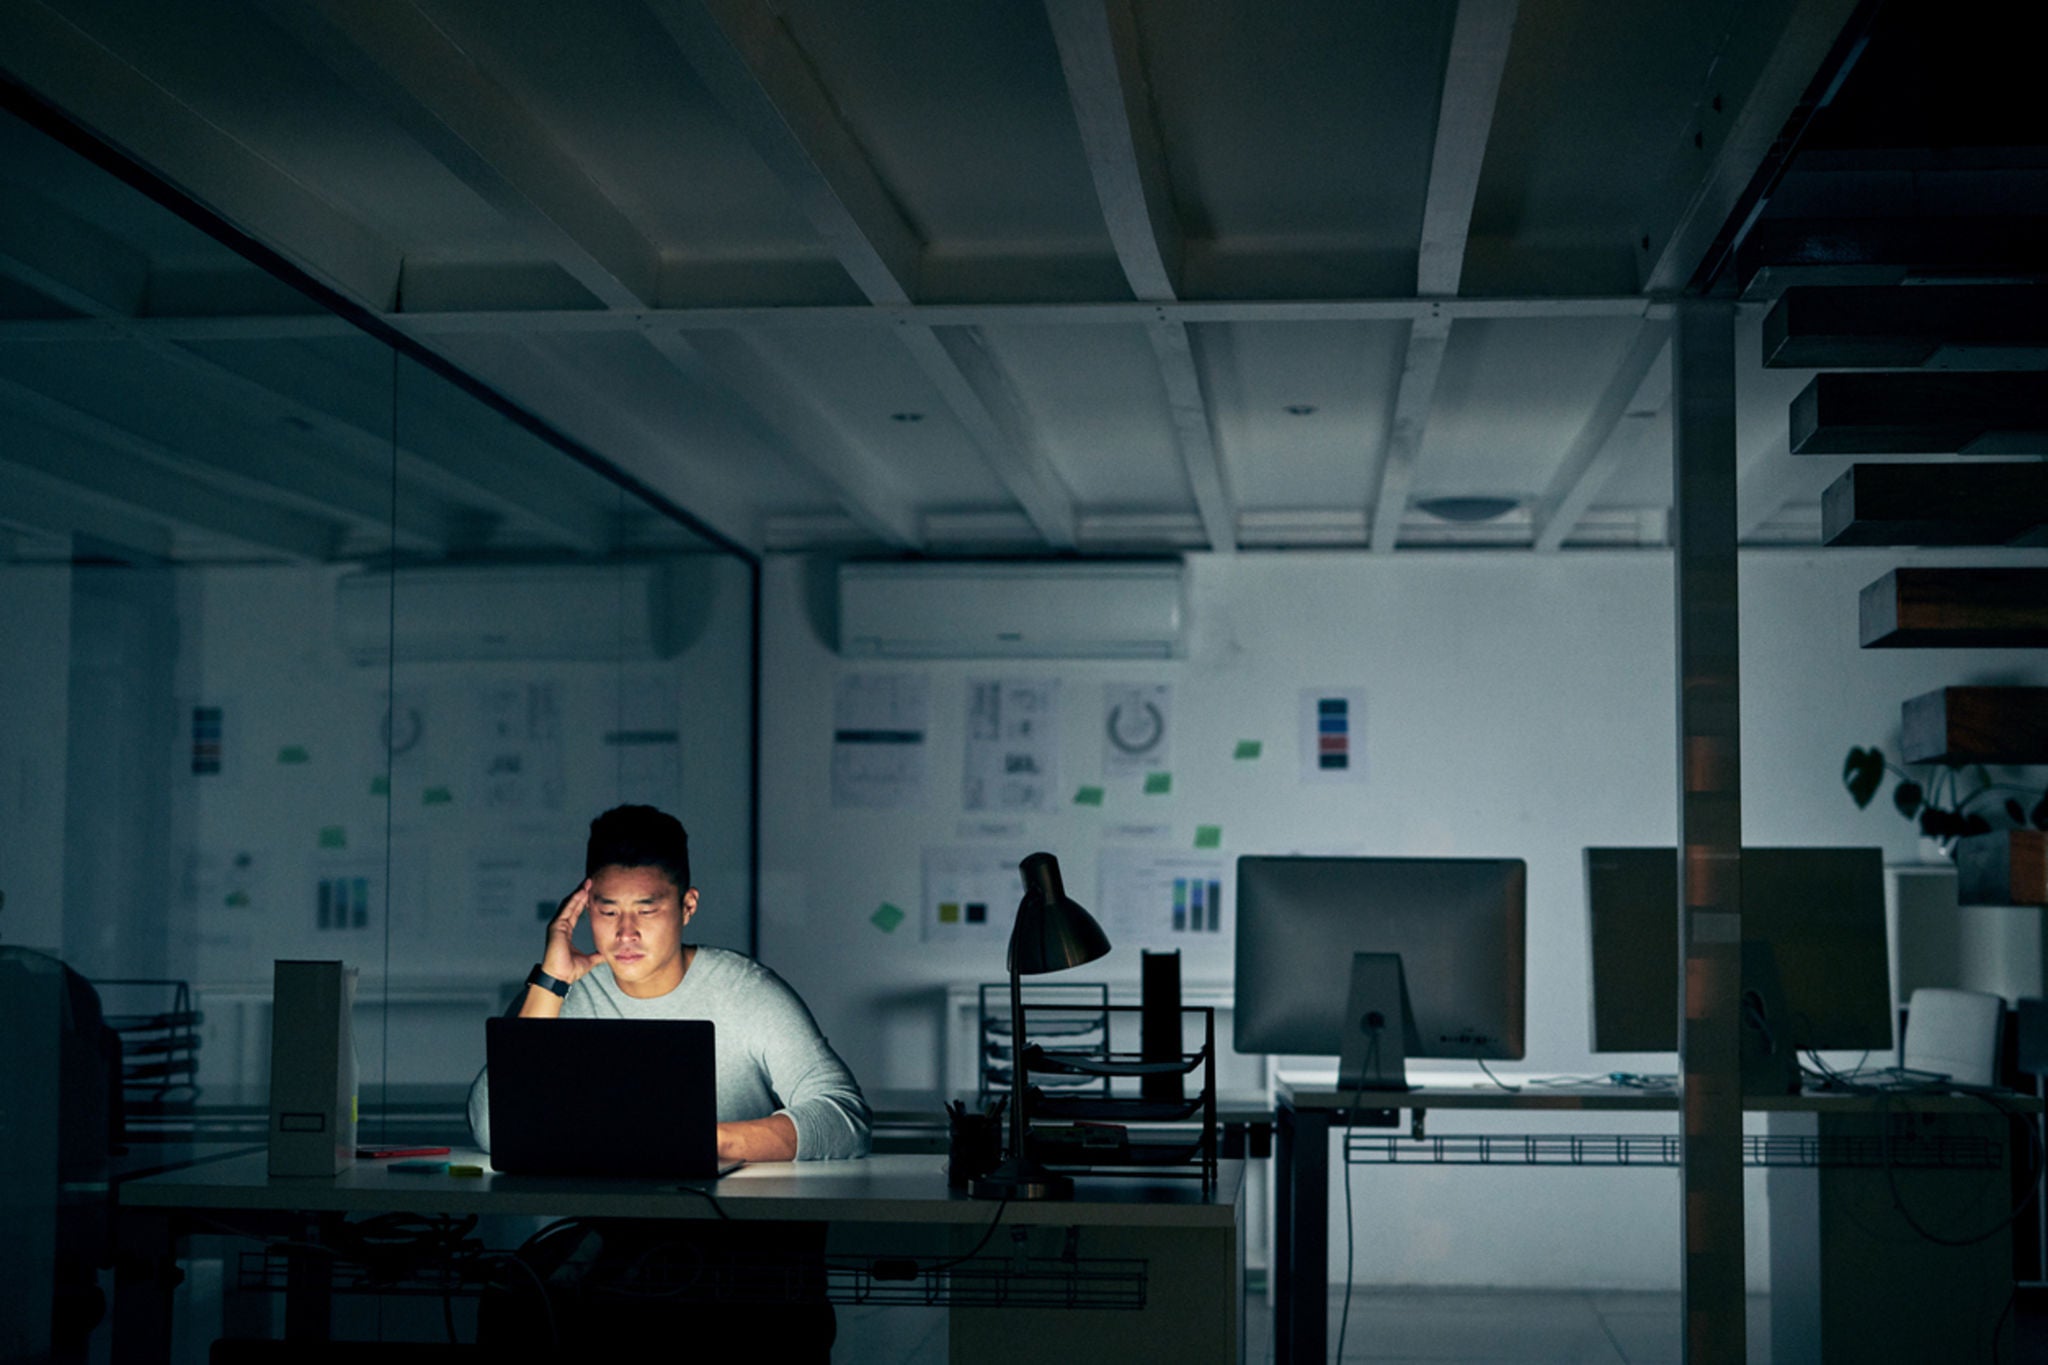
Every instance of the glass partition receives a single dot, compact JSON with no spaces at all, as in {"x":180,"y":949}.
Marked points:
{"x":312,"y":650}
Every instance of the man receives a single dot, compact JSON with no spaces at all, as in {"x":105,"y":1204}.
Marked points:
{"x":783,"y":1094}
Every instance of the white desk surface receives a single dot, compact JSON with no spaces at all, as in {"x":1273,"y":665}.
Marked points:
{"x":1321,"y":1093}
{"x":878,"y":1189}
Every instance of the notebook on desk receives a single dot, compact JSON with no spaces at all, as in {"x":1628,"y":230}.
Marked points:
{"x":628,"y":1097}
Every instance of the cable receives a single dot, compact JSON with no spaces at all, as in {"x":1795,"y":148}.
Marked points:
{"x":708,"y":1197}
{"x":1511,"y":1089}
{"x":1370,"y":1066}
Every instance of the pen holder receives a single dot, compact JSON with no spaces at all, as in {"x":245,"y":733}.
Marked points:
{"x":973,"y":1146}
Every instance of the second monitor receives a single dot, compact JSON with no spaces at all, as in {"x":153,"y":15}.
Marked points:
{"x":1818,"y":911}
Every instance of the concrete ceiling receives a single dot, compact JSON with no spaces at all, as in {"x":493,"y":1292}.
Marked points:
{"x":1118,"y":276}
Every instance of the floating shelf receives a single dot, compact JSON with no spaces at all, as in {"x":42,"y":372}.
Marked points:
{"x":1956,"y":609}
{"x":1921,"y":413}
{"x":1943,"y":327}
{"x":2009,"y":867}
{"x":1782,"y":252}
{"x":2004,"y":502}
{"x":1977,"y":725}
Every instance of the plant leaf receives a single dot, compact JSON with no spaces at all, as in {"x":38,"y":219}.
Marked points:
{"x":1862,"y":774}
{"x":1909,"y":798}
{"x":2015,"y":812}
{"x":1976,"y":824}
{"x":2039,"y":815}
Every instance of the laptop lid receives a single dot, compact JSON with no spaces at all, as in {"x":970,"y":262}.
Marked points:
{"x":592,"y":1097}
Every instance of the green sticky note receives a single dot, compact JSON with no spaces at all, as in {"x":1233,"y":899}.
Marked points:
{"x":437,"y":796}
{"x":1158,"y":784}
{"x":333,"y":836}
{"x":380,"y":785}
{"x":886,"y":918}
{"x":1088,"y":796}
{"x":1248,"y":749}
{"x":294,"y":753}
{"x":1208,"y":836}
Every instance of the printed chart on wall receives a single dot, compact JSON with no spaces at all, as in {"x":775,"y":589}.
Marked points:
{"x":1332,"y":734}
{"x":1012,"y":751}
{"x":520,"y":747}
{"x":879,"y":725}
{"x":970,"y":893}
{"x":1162,"y":900}
{"x":1137,"y":729}
{"x":645,"y":741}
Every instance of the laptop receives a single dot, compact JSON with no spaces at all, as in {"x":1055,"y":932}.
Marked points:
{"x":628,"y":1097}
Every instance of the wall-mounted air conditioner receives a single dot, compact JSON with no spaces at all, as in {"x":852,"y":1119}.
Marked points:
{"x":594,"y":612}
{"x":991,"y":610}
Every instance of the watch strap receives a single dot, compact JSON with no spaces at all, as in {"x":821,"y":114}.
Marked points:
{"x":539,"y":978}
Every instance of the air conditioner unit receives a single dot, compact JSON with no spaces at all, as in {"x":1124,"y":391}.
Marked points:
{"x":596,"y":612}
{"x":991,"y":611}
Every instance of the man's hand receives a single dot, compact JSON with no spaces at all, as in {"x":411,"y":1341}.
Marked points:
{"x":560,"y":958}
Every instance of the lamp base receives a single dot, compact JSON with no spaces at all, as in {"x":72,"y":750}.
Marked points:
{"x":1021,"y":1179}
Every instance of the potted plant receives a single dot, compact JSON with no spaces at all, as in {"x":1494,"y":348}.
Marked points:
{"x":1943,"y":810}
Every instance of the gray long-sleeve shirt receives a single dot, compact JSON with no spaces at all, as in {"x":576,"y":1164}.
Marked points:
{"x":771,"y":1057}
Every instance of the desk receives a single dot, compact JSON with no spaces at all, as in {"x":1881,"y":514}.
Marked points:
{"x":1844,"y":1263}
{"x":1192,"y":1242}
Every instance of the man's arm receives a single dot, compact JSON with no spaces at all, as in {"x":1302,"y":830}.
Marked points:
{"x":769,"y":1139}
{"x":560,"y":959}
{"x":819,"y":1097}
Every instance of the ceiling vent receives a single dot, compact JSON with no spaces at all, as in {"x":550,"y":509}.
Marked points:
{"x":1004,"y":610}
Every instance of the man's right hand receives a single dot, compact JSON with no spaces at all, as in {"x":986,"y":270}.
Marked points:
{"x":560,"y":959}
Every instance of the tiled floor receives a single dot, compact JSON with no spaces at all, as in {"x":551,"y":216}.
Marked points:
{"x":1392,"y":1327}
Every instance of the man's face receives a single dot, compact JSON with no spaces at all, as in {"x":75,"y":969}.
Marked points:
{"x":637,"y":916}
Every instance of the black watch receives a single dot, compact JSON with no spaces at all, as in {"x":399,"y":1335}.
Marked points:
{"x":539,"y":978}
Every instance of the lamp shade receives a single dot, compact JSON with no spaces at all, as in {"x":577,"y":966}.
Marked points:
{"x":1052,"y":932}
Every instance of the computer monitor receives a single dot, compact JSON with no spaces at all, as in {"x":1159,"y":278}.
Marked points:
{"x":1453,"y":927}
{"x":1813,"y":915}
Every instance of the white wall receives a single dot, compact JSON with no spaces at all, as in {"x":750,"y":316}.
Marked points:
{"x":1516,"y":705}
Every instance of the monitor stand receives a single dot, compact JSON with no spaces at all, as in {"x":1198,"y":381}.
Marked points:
{"x":1379,"y":1030}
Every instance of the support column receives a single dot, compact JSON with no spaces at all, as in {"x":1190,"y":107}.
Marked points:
{"x":1709,"y":833}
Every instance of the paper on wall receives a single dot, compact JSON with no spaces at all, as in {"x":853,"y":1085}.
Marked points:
{"x":645,"y":742}
{"x":971,"y":893}
{"x":1332,"y":734}
{"x":1150,"y":899}
{"x":880,"y":722}
{"x":1012,"y":749}
{"x":519,"y":754}
{"x":1137,"y":728}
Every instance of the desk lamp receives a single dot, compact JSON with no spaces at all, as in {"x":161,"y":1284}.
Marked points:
{"x":1052,"y":933}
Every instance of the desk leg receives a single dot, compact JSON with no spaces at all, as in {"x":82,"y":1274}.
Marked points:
{"x":308,"y":1289}
{"x":146,"y":1276}
{"x":1301,"y":1237}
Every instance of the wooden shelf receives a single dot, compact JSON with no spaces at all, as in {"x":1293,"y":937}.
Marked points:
{"x":1919,"y":608}
{"x":1977,"y":725}
{"x":1967,"y":327}
{"x":2009,"y":867}
{"x":2004,"y":502}
{"x":1782,"y":252}
{"x":1921,"y":413}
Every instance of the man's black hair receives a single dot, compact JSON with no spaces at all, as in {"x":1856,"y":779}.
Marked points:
{"x":639,"y":836}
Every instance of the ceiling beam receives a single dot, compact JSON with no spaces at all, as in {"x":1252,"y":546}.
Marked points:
{"x":803,"y":430}
{"x":1112,"y":104}
{"x":1472,"y":72}
{"x":746,"y":58}
{"x":1421,"y":363}
{"x":591,"y":321}
{"x":273,"y":472}
{"x":403,"y":62}
{"x":68,"y":66}
{"x":1464,"y":121}
{"x":1760,"y":73}
{"x":98,"y":461}
{"x":1635,"y":393}
{"x":39,"y":504}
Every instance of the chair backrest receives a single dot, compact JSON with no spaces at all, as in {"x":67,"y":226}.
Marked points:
{"x":1954,"y":1033}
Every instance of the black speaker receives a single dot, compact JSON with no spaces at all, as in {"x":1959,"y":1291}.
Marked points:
{"x":1159,"y":1023}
